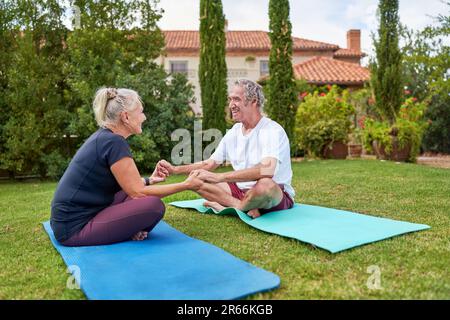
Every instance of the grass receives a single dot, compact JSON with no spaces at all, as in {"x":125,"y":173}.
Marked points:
{"x":412,"y":266}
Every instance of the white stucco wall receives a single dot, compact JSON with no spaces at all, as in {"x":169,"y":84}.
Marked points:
{"x":237,"y":67}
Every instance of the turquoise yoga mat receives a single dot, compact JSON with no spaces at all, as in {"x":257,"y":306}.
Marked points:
{"x":169,"y":265}
{"x":330,"y":229}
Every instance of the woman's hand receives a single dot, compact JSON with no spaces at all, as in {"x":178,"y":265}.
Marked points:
{"x":158,"y":175}
{"x":193,"y":183}
{"x":207,"y":176}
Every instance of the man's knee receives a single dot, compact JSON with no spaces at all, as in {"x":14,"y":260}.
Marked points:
{"x":264,"y":186}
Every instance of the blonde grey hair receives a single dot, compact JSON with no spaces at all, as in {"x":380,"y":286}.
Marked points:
{"x":252,"y":91}
{"x":110,"y":102}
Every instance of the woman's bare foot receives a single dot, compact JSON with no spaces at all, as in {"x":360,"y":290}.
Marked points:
{"x":254,"y":213}
{"x":214,"y":205}
{"x":141,"y":235}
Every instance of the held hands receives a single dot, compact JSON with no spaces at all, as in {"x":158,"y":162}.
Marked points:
{"x":193,"y":183}
{"x":158,"y":175}
{"x":207,"y":176}
{"x":162,"y":170}
{"x":165,"y":167}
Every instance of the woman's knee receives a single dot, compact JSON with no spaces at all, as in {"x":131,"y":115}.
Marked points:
{"x":156,"y":206}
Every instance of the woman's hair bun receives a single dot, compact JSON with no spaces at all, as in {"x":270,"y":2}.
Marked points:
{"x":111,"y":93}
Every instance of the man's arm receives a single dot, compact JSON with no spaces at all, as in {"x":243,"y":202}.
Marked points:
{"x":266,"y":169}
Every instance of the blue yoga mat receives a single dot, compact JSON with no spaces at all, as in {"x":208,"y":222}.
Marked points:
{"x":169,"y":265}
{"x":330,"y":229}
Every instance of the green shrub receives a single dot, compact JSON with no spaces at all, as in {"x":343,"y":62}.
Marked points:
{"x":35,"y":105}
{"x":124,"y":58}
{"x":437,"y":135}
{"x":323,"y":119}
{"x":49,"y":75}
{"x":54,"y":164}
{"x":379,"y":131}
{"x":426,"y":63}
{"x":409,"y":127}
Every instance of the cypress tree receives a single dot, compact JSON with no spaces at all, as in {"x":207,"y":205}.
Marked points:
{"x":282,"y":101}
{"x":387,"y":81}
{"x":213,"y":69}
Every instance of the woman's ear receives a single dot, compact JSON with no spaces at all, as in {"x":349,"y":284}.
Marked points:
{"x":124,"y":116}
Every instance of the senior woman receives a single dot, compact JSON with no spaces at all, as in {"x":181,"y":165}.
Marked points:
{"x":101,"y":198}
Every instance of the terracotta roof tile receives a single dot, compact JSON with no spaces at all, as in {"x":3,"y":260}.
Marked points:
{"x":322,"y":70}
{"x":304,"y":44}
{"x":238,"y":40}
{"x":348,"y":53}
{"x":182,"y":40}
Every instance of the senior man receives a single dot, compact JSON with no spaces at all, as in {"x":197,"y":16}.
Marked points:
{"x":258,"y":150}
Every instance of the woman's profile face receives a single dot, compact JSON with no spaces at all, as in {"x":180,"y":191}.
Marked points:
{"x":135,"y":119}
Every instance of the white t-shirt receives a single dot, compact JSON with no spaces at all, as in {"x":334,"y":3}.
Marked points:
{"x":267,"y":139}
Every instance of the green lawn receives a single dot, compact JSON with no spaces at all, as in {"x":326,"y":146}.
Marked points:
{"x":412,"y":266}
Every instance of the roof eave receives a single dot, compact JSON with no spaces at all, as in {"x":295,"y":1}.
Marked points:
{"x":313,"y":49}
{"x":349,"y":55}
{"x":317,"y":82}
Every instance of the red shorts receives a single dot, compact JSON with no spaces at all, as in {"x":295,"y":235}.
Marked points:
{"x":286,"y":201}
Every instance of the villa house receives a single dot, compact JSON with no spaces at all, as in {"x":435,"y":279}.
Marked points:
{"x":247,"y":56}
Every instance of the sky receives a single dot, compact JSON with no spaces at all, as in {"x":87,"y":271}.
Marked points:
{"x":320,"y":20}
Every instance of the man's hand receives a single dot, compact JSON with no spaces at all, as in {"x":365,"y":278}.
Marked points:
{"x":165,"y":167}
{"x":207,"y":176}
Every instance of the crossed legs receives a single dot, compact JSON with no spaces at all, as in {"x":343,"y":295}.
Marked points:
{"x":265,"y":194}
{"x":125,"y":219}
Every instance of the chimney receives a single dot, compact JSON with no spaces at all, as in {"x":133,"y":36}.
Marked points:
{"x":226,"y":25}
{"x":354,"y":39}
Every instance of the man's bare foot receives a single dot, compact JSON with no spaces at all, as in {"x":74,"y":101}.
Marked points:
{"x":141,"y":235}
{"x":254,"y":213}
{"x":214,"y":205}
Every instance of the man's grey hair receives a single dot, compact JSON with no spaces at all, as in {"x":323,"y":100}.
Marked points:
{"x":252,"y":91}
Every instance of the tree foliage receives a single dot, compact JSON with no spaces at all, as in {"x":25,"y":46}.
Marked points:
{"x":387,"y":80}
{"x":426,"y":61}
{"x":212,"y":69}
{"x":281,"y":88}
{"x":34,"y":95}
{"x":50,"y":74}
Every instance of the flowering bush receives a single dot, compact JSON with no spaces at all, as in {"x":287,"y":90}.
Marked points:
{"x":364,"y":104}
{"x":323,"y":118}
{"x":408,"y":129}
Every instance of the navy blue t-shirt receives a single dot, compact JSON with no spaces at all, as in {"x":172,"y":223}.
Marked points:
{"x":88,"y":185}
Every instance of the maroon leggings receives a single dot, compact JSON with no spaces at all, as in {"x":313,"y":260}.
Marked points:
{"x":120,"y":221}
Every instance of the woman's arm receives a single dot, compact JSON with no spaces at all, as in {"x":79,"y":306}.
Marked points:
{"x":208,"y":165}
{"x":128,"y":177}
